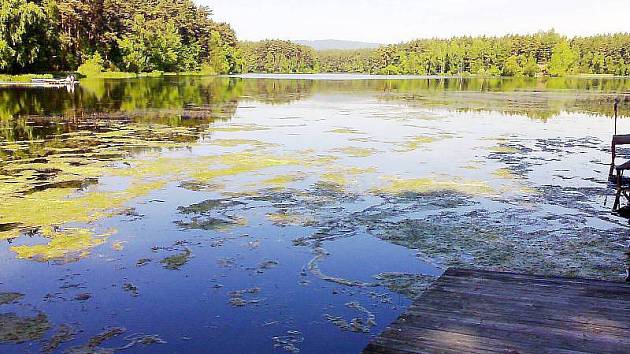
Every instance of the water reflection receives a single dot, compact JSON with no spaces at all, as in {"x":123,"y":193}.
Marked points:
{"x":536,"y":98}
{"x":290,"y":210}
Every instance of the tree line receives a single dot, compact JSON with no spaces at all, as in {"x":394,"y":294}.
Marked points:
{"x":115,"y":35}
{"x":543,"y":53}
{"x":92,"y":36}
{"x":277,"y":56}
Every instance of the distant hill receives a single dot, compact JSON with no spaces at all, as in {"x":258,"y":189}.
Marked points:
{"x":325,"y":44}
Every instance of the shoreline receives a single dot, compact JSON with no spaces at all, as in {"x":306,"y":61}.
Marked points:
{"x":361,"y":76}
{"x":22,"y":79}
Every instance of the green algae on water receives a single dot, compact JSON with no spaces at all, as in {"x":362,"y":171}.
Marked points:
{"x":64,"y":334}
{"x":212,"y":215}
{"x":50,"y":178}
{"x":416,"y":142}
{"x":241,"y":142}
{"x":65,"y":246}
{"x":209,"y":223}
{"x":15,"y":329}
{"x":354,"y":151}
{"x":177,"y":261}
{"x":281,"y":181}
{"x":410,"y":285}
{"x":240,"y":298}
{"x":56,"y":207}
{"x":503,"y":149}
{"x":209,"y":206}
{"x":93,"y":346}
{"x":341,"y":177}
{"x":397,"y":185}
{"x":9,"y":298}
{"x":356,"y":324}
{"x":285,"y":218}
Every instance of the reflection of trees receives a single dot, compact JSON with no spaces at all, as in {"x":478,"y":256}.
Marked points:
{"x":534,"y":98}
{"x":273,"y":91}
{"x":198,"y":101}
{"x":186,"y":102}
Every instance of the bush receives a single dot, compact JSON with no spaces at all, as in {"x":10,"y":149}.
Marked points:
{"x":93,"y":66}
{"x":390,"y":70}
{"x":207,"y":69}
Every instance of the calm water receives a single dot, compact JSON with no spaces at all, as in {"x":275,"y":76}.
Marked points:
{"x":273,"y":214}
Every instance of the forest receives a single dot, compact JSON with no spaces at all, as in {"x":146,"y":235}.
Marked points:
{"x":97,"y":36}
{"x":277,"y":56}
{"x":544,"y":53}
{"x":114,"y":35}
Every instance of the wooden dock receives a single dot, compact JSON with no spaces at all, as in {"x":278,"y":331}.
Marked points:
{"x":48,"y":83}
{"x":472,"y":311}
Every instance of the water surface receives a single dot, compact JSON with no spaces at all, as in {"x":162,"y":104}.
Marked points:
{"x":288,"y":214}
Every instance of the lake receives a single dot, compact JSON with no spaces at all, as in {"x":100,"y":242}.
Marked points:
{"x":286,"y":214}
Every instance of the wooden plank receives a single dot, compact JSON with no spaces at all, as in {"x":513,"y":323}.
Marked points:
{"x":517,"y":312}
{"x":582,"y":289}
{"x":476,"y":311}
{"x":517,"y":333}
{"x":509,"y":276}
{"x":430,"y":342}
{"x":533,"y":294}
{"x":427,"y":340}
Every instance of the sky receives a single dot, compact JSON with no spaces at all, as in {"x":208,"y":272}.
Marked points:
{"x":393,"y":21}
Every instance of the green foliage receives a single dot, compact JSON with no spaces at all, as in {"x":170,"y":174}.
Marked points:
{"x":216,"y":62}
{"x":512,"y":67}
{"x":530,"y":67}
{"x":348,"y":61}
{"x":145,"y":36}
{"x":6,"y":53}
{"x":603,"y":54}
{"x":390,"y":70}
{"x":92,"y":67}
{"x":520,"y":65}
{"x":22,"y":32}
{"x":276,"y":56}
{"x":513,"y":55}
{"x":562,"y":60}
{"x":152,"y":45}
{"x":486,"y":56}
{"x":137,"y":35}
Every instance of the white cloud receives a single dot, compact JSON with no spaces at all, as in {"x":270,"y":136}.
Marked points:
{"x":399,"y":20}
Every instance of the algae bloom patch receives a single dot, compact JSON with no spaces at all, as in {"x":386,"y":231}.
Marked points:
{"x":67,"y":245}
{"x":437,"y":184}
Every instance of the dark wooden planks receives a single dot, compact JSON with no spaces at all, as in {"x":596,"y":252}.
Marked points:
{"x":475,"y":311}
